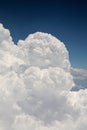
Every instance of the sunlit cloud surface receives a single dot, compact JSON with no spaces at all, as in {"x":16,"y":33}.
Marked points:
{"x":36,"y":83}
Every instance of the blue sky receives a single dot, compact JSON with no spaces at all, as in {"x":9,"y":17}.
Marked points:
{"x":67,"y":20}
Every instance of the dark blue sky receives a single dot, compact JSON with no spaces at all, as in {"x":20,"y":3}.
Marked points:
{"x":65,"y":19}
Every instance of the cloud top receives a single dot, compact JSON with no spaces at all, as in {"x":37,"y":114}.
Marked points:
{"x":43,"y":47}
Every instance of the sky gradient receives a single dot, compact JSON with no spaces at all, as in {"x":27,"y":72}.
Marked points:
{"x":66,"y":20}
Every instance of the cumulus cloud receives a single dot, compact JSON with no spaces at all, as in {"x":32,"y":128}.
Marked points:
{"x":36,"y":83}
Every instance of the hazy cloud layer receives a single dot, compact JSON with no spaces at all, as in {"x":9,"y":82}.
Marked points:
{"x":35,"y":85}
{"x":80,"y":78}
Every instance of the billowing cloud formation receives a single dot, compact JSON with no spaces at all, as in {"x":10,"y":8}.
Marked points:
{"x":35,"y":85}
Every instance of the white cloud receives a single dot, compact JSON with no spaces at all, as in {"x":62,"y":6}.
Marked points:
{"x":4,"y":35}
{"x":79,"y":73}
{"x":35,"y":85}
{"x":80,"y":78}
